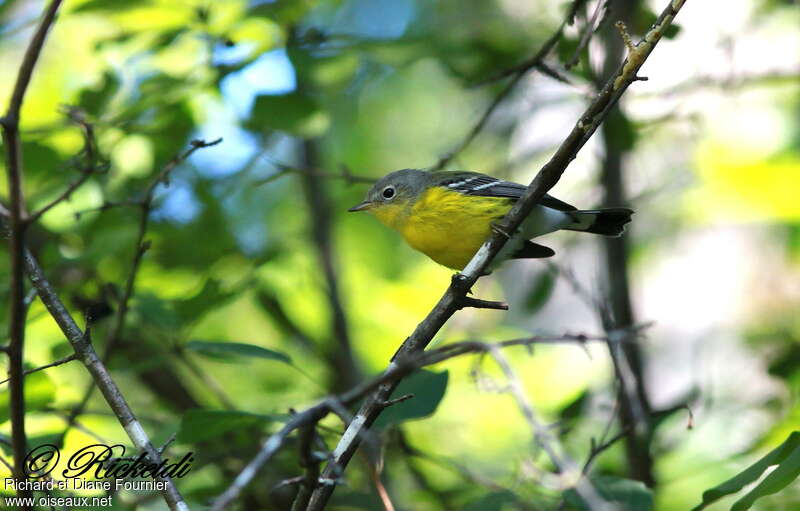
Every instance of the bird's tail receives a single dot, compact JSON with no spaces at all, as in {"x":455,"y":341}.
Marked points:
{"x":608,"y":222}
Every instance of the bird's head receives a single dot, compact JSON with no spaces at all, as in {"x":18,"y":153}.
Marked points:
{"x":392,"y":194}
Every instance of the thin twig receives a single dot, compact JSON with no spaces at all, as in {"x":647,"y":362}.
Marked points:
{"x":398,"y":369}
{"x":141,"y":246}
{"x":284,"y":170}
{"x":310,"y":463}
{"x":564,"y":465}
{"x":145,"y":204}
{"x":91,"y":167}
{"x":516,"y":73}
{"x":59,"y":362}
{"x":589,"y":30}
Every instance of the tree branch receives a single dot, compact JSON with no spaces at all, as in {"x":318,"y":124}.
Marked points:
{"x":402,"y":366}
{"x":59,"y":362}
{"x":547,"y":177}
{"x":516,"y":73}
{"x":90,"y":168}
{"x":17,"y":308}
{"x":111,"y":392}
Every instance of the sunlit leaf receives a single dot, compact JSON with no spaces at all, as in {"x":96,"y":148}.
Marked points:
{"x":39,"y":392}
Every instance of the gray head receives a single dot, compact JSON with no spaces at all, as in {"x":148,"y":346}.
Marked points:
{"x":398,"y":187}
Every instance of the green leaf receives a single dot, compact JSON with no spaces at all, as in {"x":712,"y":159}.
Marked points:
{"x":210,"y":297}
{"x":493,"y":501}
{"x":294,"y":113}
{"x":39,"y":392}
{"x":110,"y":5}
{"x":540,"y":291}
{"x":619,"y":131}
{"x":234,"y":350}
{"x":777,"y":480}
{"x":629,"y":495}
{"x":575,"y":408}
{"x":199,"y":425}
{"x":749,"y":475}
{"x":94,"y":100}
{"x":428,"y":389}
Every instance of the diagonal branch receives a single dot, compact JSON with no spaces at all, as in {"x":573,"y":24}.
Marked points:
{"x":547,"y":177}
{"x":400,"y":368}
{"x":516,"y":73}
{"x":88,"y":356}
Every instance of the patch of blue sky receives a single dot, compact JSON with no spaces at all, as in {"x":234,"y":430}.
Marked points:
{"x":230,"y":155}
{"x":251,"y":236}
{"x":271,"y":73}
{"x":177,"y":202}
{"x":372,"y":19}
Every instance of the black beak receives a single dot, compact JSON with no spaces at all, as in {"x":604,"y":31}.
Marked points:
{"x":360,"y":207}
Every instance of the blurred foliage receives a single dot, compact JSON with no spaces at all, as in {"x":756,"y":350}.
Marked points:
{"x":231,"y":317}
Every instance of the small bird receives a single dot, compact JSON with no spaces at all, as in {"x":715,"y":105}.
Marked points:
{"x":448,"y":215}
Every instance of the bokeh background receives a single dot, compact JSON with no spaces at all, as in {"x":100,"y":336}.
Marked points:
{"x":251,"y":241}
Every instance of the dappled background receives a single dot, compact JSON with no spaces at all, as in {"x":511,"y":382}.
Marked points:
{"x":250,"y":241}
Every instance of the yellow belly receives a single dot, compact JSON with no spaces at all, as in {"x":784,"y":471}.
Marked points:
{"x":449,"y":227}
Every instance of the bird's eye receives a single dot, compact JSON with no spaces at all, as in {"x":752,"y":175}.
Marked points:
{"x":388,"y":192}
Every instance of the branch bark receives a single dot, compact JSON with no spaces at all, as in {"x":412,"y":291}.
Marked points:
{"x":397,"y":370}
{"x":88,"y":356}
{"x":547,"y":177}
{"x":17,"y":225}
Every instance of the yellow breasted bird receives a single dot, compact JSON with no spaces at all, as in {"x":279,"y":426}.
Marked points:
{"x":448,"y":215}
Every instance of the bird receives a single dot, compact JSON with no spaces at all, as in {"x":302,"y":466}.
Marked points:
{"x":448,"y":215}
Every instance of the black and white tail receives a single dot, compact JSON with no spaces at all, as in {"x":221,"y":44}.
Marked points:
{"x":608,"y":222}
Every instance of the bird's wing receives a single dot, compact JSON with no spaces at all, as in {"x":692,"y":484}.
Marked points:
{"x":474,"y":183}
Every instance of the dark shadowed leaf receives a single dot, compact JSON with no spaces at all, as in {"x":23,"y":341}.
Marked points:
{"x":294,"y":113}
{"x":575,"y":408}
{"x":788,"y":450}
{"x":235,"y":350}
{"x":619,"y":131}
{"x":784,"y":475}
{"x":200,"y":425}
{"x":540,"y":291}
{"x":628,"y":495}
{"x":211,"y":296}
{"x":95,"y":100}
{"x":428,"y":388}
{"x":494,"y":501}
